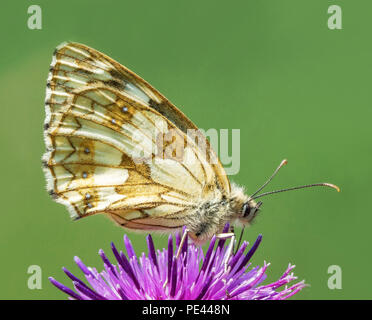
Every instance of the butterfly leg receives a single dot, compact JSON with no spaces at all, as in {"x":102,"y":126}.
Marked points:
{"x":240,"y":240}
{"x":182,"y":242}
{"x":232,"y":230}
{"x":229,"y":251}
{"x":179,"y":250}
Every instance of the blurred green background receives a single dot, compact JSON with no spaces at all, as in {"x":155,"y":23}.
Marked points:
{"x":272,"y":69}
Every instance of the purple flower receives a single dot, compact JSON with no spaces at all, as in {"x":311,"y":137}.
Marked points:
{"x":160,"y":275}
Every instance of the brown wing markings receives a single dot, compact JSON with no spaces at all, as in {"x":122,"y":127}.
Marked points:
{"x":161,"y":104}
{"x":115,"y":185}
{"x":169,"y":111}
{"x":49,"y":103}
{"x":69,"y":183}
{"x":88,"y":75}
{"x":129,"y":138}
{"x":57,"y":195}
{"x":147,"y":206}
{"x":100,"y":90}
{"x":127,"y":76}
{"x":82,"y":57}
{"x":76,"y":117}
{"x":89,"y":187}
{"x":64,"y":79}
{"x":130,"y":224}
{"x":83,"y":137}
{"x":72,"y":152}
{"x":110,"y":126}
{"x":157,"y":226}
{"x":87,"y":62}
{"x":76,"y":93}
{"x":93,"y":164}
{"x":139,"y":223}
{"x":80,"y":135}
{"x":54,"y":149}
{"x":111,"y":145}
{"x":71,"y":204}
{"x":75,"y":106}
{"x":80,"y":72}
{"x":130,"y":178}
{"x":150,"y":205}
{"x":219,"y":178}
{"x":82,"y":63}
{"x":164,"y":108}
{"x":106,"y":125}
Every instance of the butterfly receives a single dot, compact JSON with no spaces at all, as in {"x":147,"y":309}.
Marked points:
{"x":118,"y":147}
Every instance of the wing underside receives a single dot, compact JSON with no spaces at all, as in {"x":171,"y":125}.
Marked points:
{"x":106,"y":135}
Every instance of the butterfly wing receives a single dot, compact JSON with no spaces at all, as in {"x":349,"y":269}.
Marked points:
{"x":106,"y":135}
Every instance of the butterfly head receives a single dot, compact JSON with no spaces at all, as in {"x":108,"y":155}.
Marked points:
{"x":249,"y":211}
{"x":244,"y":208}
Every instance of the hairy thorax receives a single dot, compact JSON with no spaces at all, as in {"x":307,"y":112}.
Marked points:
{"x":210,"y":215}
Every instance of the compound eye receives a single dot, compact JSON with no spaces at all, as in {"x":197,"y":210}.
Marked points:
{"x":246,"y":210}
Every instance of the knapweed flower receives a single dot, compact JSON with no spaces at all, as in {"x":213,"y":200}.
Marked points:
{"x":192,"y":276}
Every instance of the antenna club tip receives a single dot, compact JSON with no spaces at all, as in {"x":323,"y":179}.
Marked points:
{"x":284,"y":162}
{"x":333,"y":186}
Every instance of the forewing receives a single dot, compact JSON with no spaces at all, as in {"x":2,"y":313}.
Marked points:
{"x":122,"y":78}
{"x":101,"y":132}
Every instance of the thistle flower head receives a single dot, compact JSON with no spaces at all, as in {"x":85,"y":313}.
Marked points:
{"x":193,"y":275}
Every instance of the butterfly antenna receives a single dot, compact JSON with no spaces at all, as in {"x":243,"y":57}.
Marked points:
{"x":284,"y":162}
{"x":330,"y":185}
